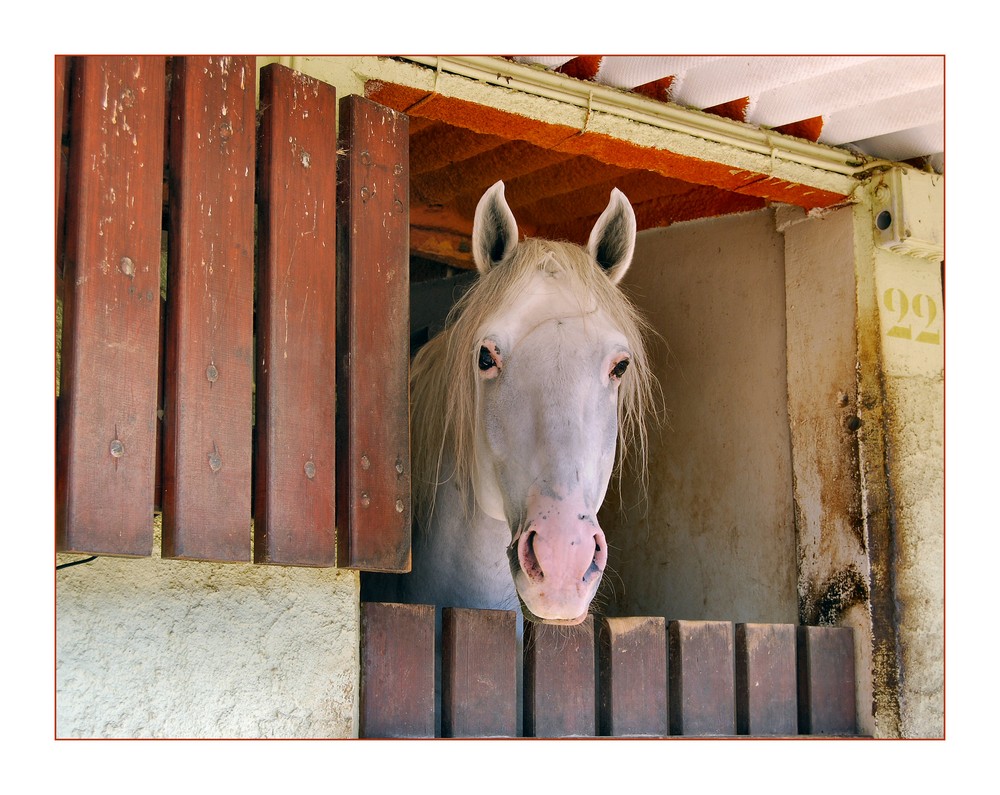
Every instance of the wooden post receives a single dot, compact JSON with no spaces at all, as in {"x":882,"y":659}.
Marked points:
{"x":373,"y":443}
{"x":633,"y":676}
{"x":702,"y":699}
{"x":209,"y":345}
{"x":106,"y":434}
{"x":559,"y":669}
{"x":766,"y":695}
{"x":827,"y":699}
{"x":479,"y":673}
{"x":294,"y":479}
{"x":397,"y":670}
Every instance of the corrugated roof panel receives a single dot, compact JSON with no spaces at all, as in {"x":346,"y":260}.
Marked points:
{"x":862,"y":84}
{"x":726,"y":79}
{"x":916,"y":109}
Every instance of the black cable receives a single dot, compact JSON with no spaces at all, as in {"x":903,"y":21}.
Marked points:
{"x":76,"y":562}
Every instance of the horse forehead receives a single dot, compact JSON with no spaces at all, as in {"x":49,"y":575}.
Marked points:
{"x":551,"y":304}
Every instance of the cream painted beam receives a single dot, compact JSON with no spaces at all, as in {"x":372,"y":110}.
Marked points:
{"x":557,"y":99}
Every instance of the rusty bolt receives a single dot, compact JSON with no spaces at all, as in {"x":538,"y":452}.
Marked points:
{"x":117,"y":448}
{"x":310,"y":469}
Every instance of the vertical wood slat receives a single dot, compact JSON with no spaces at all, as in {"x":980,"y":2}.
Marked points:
{"x":702,"y":678}
{"x":479,"y":673}
{"x":62,"y":117}
{"x":296,"y":315}
{"x":397,"y":670}
{"x":826,"y":683}
{"x":209,"y":342}
{"x":633,"y":677}
{"x":106,"y":436}
{"x":373,"y":452}
{"x":766,"y":689}
{"x":559,"y":687}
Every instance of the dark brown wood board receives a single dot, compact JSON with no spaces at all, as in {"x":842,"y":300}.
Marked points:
{"x":827,"y":687}
{"x":208,"y":383}
{"x":479,"y":673}
{"x":702,"y":678}
{"x":397,"y":670}
{"x":633,"y":677}
{"x":373,"y":446}
{"x":106,"y":429}
{"x":296,"y":321}
{"x":766,"y":694}
{"x":559,"y":687}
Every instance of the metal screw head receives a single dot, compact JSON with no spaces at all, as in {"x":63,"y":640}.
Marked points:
{"x":117,"y":448}
{"x":364,"y":193}
{"x":399,"y":506}
{"x":310,"y":469}
{"x":366,"y":158}
{"x":212,"y":373}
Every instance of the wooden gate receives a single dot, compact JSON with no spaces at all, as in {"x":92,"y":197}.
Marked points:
{"x":623,"y":677}
{"x":173,"y":340}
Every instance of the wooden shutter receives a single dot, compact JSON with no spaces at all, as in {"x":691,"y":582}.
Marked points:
{"x":373,"y":448}
{"x":209,"y":342}
{"x":106,"y":433}
{"x":296,"y":321}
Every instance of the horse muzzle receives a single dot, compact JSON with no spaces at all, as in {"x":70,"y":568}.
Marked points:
{"x":557,"y":558}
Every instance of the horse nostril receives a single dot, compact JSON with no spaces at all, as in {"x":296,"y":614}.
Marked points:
{"x":526,"y":554}
{"x":598,"y":562}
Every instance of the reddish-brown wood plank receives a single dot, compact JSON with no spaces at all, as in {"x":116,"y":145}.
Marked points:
{"x":702,"y":678}
{"x":296,"y":321}
{"x":61,"y":162}
{"x":827,"y":694}
{"x":209,"y":344}
{"x":633,"y":677}
{"x":479,"y":673}
{"x":373,"y":448}
{"x":559,"y":672}
{"x":766,"y":697}
{"x":106,"y":436}
{"x":397,"y":670}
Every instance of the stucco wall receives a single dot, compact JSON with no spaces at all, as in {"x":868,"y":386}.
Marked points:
{"x":159,"y":648}
{"x":715,"y":539}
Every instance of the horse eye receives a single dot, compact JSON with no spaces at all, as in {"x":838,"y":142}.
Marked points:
{"x":486,"y":361}
{"x":619,"y":369}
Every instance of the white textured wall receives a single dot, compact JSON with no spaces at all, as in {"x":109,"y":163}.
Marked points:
{"x":159,"y":648}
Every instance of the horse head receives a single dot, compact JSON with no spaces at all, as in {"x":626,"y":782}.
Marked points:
{"x":549,"y":365}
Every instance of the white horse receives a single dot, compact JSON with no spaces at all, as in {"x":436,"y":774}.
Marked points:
{"x":517,"y":409}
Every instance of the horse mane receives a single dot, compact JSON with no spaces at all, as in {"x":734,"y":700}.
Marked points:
{"x":444,"y":387}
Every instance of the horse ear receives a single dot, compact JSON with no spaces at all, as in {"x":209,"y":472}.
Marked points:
{"x":612,"y":240}
{"x":494,"y":230}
